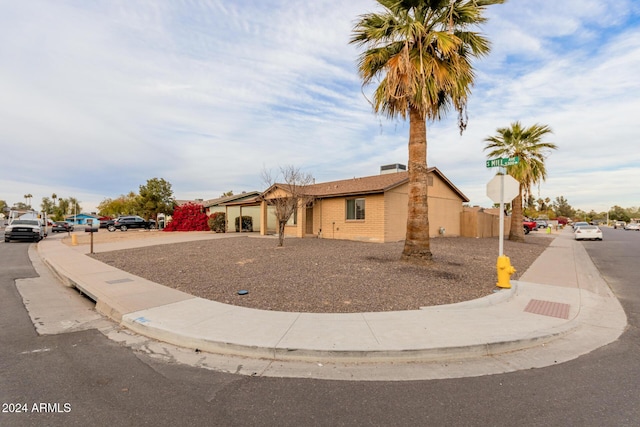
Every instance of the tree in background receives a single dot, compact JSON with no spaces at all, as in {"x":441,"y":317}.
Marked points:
{"x":561,"y":207}
{"x":122,"y":205}
{"x":419,"y":54}
{"x":4,"y":209}
{"x":74,"y":206}
{"x":287,"y":196}
{"x":531,"y":203}
{"x":48,"y":206}
{"x":27,"y":200}
{"x":156,"y":197}
{"x":227,"y":194}
{"x":618,"y":213}
{"x":527,"y":144}
{"x":188,"y":217}
{"x":62,"y":209}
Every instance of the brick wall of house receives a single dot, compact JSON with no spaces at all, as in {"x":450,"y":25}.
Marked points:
{"x":330,"y":216}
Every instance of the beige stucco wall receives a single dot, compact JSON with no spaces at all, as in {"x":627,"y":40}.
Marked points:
{"x":445,"y":208}
{"x":395,"y":223}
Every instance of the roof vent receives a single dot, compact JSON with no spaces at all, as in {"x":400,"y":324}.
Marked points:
{"x":396,"y":167}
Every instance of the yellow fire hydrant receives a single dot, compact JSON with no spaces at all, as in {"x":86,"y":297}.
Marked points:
{"x":505,"y":270}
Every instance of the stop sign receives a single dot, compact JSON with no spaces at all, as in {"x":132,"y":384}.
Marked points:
{"x":504,"y":185}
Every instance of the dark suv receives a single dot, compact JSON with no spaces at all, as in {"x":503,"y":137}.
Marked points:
{"x":62,"y":226}
{"x":126,"y":222}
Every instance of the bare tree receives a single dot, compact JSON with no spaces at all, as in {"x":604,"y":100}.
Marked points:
{"x":287,"y":195}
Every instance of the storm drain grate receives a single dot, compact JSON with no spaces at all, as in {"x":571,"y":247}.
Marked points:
{"x":116,"y":281}
{"x":548,"y":308}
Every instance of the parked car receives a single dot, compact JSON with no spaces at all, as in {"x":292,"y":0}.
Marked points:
{"x":24,"y":229}
{"x":106,"y":222}
{"x":588,"y":232}
{"x":528,"y":225}
{"x":61,"y":226}
{"x":632,"y":226}
{"x":541,"y":223}
{"x":619,"y":224}
{"x":124,"y":223}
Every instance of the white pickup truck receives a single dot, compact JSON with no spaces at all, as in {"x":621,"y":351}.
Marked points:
{"x":26,"y":225}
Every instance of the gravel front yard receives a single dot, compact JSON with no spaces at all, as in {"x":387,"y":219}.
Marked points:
{"x":326,"y":276}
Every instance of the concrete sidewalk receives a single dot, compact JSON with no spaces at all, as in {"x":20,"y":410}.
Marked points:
{"x":560,"y":309}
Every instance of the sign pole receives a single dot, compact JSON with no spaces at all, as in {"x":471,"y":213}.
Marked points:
{"x":501,"y":244}
{"x":500,"y":187}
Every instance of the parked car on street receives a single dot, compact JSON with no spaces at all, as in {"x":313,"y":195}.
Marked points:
{"x":106,"y":222}
{"x":529,"y":225}
{"x":588,"y":232}
{"x":24,"y":229}
{"x":541,"y":223}
{"x":632,"y":226}
{"x":124,"y":223}
{"x":61,"y":226}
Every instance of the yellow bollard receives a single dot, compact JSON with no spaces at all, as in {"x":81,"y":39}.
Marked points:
{"x":505,"y":270}
{"x":74,"y":240}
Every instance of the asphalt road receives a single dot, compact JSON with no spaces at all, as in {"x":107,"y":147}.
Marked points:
{"x":87,"y":378}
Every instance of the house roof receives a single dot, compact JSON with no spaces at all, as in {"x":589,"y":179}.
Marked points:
{"x":370,"y":185}
{"x":363,"y":185}
{"x":229,"y":199}
{"x":220,"y":200}
{"x":180,"y":202}
{"x":254,"y":199}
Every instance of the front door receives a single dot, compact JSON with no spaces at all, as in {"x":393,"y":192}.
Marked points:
{"x":309,"y":220}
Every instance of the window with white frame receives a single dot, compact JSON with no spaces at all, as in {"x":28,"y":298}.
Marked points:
{"x":355,"y":209}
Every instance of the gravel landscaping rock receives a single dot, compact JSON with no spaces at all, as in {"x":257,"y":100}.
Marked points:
{"x":326,"y":276}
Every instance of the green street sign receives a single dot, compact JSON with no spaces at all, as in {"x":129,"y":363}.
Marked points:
{"x":502,"y":162}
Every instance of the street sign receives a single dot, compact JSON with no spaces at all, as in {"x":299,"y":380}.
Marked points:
{"x":499,"y":192}
{"x":503,"y":161}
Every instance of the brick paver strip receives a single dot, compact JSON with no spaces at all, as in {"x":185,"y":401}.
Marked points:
{"x":548,"y":308}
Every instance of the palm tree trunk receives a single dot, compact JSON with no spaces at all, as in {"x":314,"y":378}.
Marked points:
{"x":416,"y":244}
{"x":516,"y":233}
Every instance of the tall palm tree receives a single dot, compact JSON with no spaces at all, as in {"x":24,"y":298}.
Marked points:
{"x":28,"y":198}
{"x":527,"y":144}
{"x":419,"y":54}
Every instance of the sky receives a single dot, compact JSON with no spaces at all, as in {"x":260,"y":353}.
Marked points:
{"x":98,"y":97}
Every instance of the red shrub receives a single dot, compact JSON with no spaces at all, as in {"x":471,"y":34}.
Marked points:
{"x":188,"y":217}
